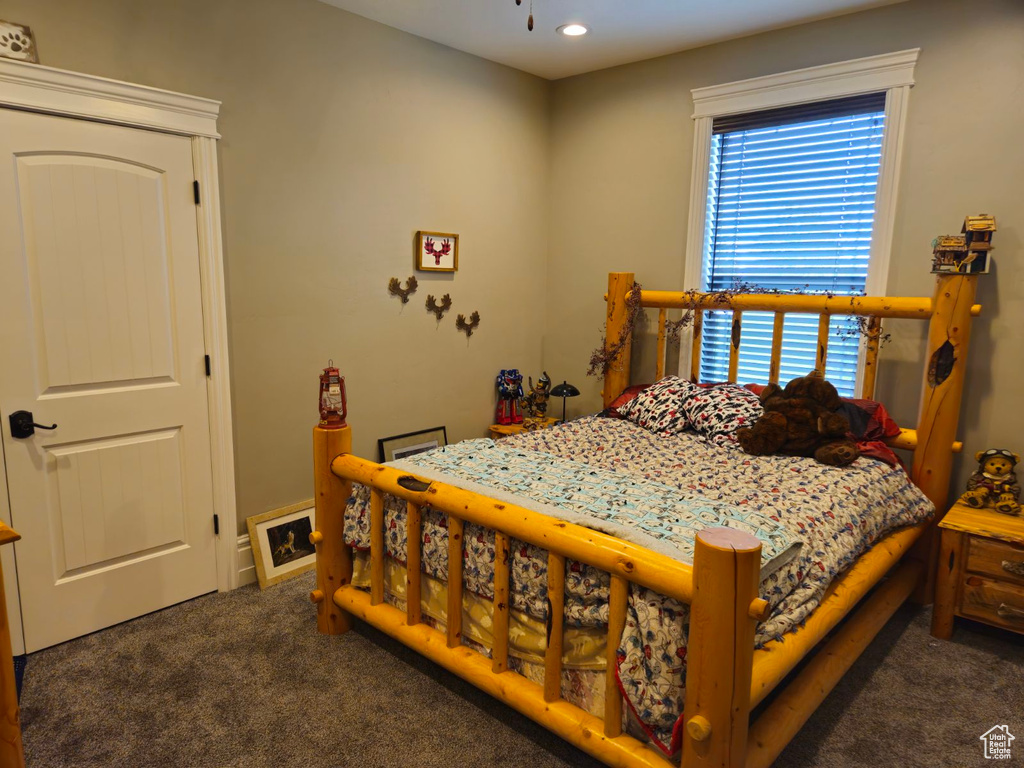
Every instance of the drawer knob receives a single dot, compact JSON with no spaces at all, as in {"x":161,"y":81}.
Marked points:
{"x":1006,"y":612}
{"x":1016,"y":567}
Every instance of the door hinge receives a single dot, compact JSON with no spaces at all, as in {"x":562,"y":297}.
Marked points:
{"x":195,"y":191}
{"x":216,"y":526}
{"x":206,"y":359}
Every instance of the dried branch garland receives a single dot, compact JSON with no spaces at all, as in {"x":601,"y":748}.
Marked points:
{"x":862,"y":329}
{"x":603,"y":356}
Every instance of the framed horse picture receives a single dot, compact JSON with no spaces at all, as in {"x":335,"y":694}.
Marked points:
{"x":280,"y":542}
{"x":437,"y":252}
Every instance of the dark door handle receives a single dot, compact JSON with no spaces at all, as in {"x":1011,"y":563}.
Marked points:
{"x":22,"y":425}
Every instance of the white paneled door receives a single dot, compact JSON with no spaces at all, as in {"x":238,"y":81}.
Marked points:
{"x":101,"y":333}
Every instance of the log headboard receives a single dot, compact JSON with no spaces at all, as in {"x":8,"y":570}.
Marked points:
{"x":949,"y":312}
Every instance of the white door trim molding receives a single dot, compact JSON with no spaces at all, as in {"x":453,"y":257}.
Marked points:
{"x":59,"y":92}
{"x":892,"y":73}
{"x":215,"y":328}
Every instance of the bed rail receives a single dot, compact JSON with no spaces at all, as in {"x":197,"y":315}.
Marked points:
{"x":607,"y":553}
{"x":911,"y":308}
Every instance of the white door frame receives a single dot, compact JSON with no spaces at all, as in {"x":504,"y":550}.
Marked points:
{"x":60,"y":92}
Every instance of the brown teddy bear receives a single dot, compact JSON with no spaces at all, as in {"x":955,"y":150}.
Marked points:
{"x":800,"y":420}
{"x":994,"y":482}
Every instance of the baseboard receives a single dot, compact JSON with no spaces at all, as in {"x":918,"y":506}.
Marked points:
{"x":246,"y":566}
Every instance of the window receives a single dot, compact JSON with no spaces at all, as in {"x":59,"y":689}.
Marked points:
{"x":793,"y":189}
{"x":791,"y":206}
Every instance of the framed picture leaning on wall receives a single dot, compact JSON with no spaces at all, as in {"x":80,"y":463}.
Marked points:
{"x":280,"y":542}
{"x":411,"y":443}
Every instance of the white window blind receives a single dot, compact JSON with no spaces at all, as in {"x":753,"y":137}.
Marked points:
{"x":790,"y":207}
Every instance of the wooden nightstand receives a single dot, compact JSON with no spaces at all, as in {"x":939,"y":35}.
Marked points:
{"x":498,"y":431}
{"x":981,"y":570}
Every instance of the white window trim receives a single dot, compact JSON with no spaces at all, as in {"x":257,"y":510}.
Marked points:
{"x":890,"y":72}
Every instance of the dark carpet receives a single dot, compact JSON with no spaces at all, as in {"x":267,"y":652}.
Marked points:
{"x":243,"y":679}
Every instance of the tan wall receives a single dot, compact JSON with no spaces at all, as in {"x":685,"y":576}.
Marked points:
{"x":342,"y":137}
{"x":622,"y":145}
{"x":333,"y":155}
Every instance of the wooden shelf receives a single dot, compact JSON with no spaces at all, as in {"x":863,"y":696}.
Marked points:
{"x":498,"y":431}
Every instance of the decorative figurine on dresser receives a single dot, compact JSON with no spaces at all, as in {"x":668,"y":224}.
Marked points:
{"x":510,"y":391}
{"x":536,"y":402}
{"x":994,"y":483}
{"x":516,"y":413}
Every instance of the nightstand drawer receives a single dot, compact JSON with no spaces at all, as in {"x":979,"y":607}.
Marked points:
{"x":980,"y":570}
{"x":997,"y":559}
{"x":993,"y":602}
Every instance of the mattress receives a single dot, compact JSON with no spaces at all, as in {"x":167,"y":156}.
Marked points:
{"x":832,"y":514}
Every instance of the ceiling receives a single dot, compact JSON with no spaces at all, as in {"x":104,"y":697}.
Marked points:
{"x":621,"y":30}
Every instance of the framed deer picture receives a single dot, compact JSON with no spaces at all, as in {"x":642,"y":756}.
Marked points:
{"x":437,"y":252}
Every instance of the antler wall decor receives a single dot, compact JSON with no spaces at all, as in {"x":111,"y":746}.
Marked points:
{"x":462,"y":325}
{"x":395,"y":288}
{"x":437,"y":253}
{"x":439,"y":309}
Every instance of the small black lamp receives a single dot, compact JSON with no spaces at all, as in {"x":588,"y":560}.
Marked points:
{"x":564,"y":390}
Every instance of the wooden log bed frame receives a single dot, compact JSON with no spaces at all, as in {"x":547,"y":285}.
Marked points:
{"x":726,"y":677}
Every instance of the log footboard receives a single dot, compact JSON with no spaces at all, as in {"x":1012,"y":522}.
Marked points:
{"x":726,"y":676}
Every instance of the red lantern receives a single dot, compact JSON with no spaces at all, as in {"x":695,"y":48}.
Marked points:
{"x":333,"y":403}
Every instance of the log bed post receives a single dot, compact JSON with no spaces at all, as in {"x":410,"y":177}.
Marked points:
{"x":616,"y":376}
{"x":333,"y":557}
{"x":949,"y":332}
{"x":12,"y":754}
{"x":720,"y":648}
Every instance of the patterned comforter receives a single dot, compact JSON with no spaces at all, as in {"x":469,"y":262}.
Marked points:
{"x":636,"y":509}
{"x":835,"y":513}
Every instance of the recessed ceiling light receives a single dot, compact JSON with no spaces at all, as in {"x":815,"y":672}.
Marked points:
{"x":572,"y":30}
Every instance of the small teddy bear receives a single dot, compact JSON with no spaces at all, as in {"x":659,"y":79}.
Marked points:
{"x":994,"y":482}
{"x":801,"y":420}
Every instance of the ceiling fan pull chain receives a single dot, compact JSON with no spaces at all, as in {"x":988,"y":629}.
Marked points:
{"x":529,"y":21}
